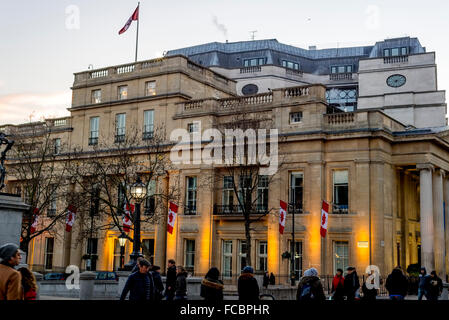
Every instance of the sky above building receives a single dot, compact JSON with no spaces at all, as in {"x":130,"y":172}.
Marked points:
{"x":44,"y":42}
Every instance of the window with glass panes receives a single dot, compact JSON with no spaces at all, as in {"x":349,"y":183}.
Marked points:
{"x":93,"y":132}
{"x":298,"y":258}
{"x":150,"y":201}
{"x":295,"y":117}
{"x":51,"y":210}
{"x":148,"y":124}
{"x":149,"y":244}
{"x":189,"y":255}
{"x":122,"y":92}
{"x":242,"y":254}
{"x":91,"y":251}
{"x":48,"y":254}
{"x":296,"y":192}
{"x":193,"y":127}
{"x":191,"y":195}
{"x":121,"y":199}
{"x":227,"y":259}
{"x":262,"y":193}
{"x":341,"y":190}
{"x":120,"y":127}
{"x":244,"y":191}
{"x":341,"y":69}
{"x":116,"y":263}
{"x":394,"y":52}
{"x":341,"y":255}
{"x":150,"y":88}
{"x":228,"y":193}
{"x":290,"y":64}
{"x":96,"y":96}
{"x":254,"y":62}
{"x":262,"y":254}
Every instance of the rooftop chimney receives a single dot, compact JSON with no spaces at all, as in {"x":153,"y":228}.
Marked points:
{"x":312,"y":47}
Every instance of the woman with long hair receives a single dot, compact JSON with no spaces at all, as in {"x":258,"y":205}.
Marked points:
{"x":29,"y":284}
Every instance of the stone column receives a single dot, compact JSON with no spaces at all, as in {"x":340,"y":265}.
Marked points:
{"x":438,"y":223}
{"x":426,"y":216}
{"x":446,"y":214}
{"x":87,"y":282}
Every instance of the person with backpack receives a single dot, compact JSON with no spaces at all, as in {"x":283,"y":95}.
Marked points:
{"x":351,"y":283}
{"x":310,"y":287}
{"x":212,"y":286}
{"x":338,"y":286}
{"x":433,"y":287}
{"x":158,"y":284}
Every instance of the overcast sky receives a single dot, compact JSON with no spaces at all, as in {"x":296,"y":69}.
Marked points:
{"x":43,"y":42}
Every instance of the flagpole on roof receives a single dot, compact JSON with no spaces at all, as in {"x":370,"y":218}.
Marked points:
{"x":137,"y":33}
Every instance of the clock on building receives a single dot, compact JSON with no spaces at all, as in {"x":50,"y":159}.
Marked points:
{"x":396,"y":80}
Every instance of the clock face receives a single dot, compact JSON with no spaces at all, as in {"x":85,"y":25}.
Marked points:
{"x":396,"y":80}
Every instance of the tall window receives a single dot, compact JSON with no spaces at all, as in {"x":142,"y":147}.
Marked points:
{"x":227,"y":258}
{"x":150,"y":88}
{"x":150,"y":201}
{"x":116,"y":255}
{"x":120,"y":127}
{"x":93,"y":131}
{"x":262,"y":194}
{"x":298,"y":258}
{"x":341,"y":255}
{"x":148,"y":124}
{"x":149,"y":244}
{"x":242,"y":254}
{"x":51,"y":210}
{"x":189,"y":255}
{"x":193,"y":127}
{"x":244,"y":191}
{"x":91,"y":251}
{"x":121,"y":199}
{"x":122,"y":92}
{"x":296,"y":191}
{"x":57,"y":145}
{"x":228,"y":193}
{"x":262,"y":253}
{"x":96,"y":96}
{"x":191,"y":195}
{"x":340,"y":179}
{"x":95,"y":201}
{"x":48,"y":254}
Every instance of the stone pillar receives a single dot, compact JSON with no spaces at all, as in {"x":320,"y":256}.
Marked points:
{"x":438,"y":223}
{"x":39,"y":277}
{"x":11,"y":212}
{"x":87,"y":282}
{"x":377,"y":214}
{"x":446,"y":216}
{"x":426,"y":216}
{"x":122,"y":278}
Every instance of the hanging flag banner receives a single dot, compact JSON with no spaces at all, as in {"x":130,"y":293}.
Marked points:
{"x":127,"y":217}
{"x":35,"y":220}
{"x":70,"y":220}
{"x":282,"y":216}
{"x":172,"y":212}
{"x":324,"y":218}
{"x":134,"y":17}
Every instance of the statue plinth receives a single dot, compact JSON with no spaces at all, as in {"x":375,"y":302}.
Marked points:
{"x":11,"y":211}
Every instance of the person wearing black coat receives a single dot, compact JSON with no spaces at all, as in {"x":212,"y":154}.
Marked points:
{"x":369,"y":294}
{"x":433,"y":287}
{"x":272,"y":279}
{"x":212,"y":287}
{"x":397,"y":285}
{"x":310,"y":287}
{"x":351,"y":283}
{"x":247,"y":285}
{"x":139,"y":284}
{"x":181,"y":284}
{"x":158,"y":284}
{"x":171,"y":280}
{"x":266,"y":280}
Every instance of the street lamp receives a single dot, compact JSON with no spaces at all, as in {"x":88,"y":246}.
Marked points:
{"x":122,"y":241}
{"x":139,"y":193}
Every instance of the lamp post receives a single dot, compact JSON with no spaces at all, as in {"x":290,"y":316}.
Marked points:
{"x":122,"y":241}
{"x":138,"y":192}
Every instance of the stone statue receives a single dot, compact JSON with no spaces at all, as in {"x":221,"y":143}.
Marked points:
{"x":8,"y":143}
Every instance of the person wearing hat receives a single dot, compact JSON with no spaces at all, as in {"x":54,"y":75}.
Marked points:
{"x":248,"y":288}
{"x":351,"y":283}
{"x":158,"y":284}
{"x":310,"y":287}
{"x":139,"y":284}
{"x":10,"y":279}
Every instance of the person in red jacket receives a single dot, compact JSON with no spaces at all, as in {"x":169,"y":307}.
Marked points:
{"x":28,"y":284}
{"x":338,"y":284}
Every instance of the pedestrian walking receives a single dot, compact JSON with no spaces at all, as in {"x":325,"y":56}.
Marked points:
{"x":397,"y":284}
{"x":10,"y":279}
{"x":29,"y":285}
{"x":212,"y":287}
{"x":272,"y":279}
{"x":266,"y":280}
{"x":139,"y":284}
{"x":181,"y":283}
{"x":338,"y":286}
{"x":247,"y":286}
{"x":158,"y":284}
{"x":433,"y":286}
{"x":171,"y":280}
{"x":422,"y":283}
{"x":136,"y":266}
{"x":351,"y":283}
{"x":310,"y":287}
{"x":368,"y":288}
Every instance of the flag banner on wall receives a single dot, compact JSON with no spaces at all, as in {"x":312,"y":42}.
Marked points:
{"x":127,"y":217}
{"x":134,"y":17}
{"x":71,"y":213}
{"x":35,"y":220}
{"x":172,"y":212}
{"x":282,"y":216}
{"x":324,"y":218}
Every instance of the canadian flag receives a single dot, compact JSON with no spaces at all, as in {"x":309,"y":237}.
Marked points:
{"x":324,"y":218}
{"x":282,"y":215}
{"x":35,"y":220}
{"x":135,"y":16}
{"x":70,"y":220}
{"x":172,"y":212}
{"x":127,"y":220}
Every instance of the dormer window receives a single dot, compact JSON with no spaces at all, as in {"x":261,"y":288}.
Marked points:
{"x":341,"y":69}
{"x":290,"y":65}
{"x":395,"y":52}
{"x":254,"y":62}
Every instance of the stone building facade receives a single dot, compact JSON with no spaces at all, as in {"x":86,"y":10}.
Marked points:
{"x":387,"y":183}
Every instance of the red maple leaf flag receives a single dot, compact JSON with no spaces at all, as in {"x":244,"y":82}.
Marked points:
{"x":172,"y":212}
{"x":70,"y":220}
{"x":127,"y":217}
{"x":324,"y":218}
{"x":282,"y":216}
{"x":35,"y":220}
{"x":135,"y":16}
